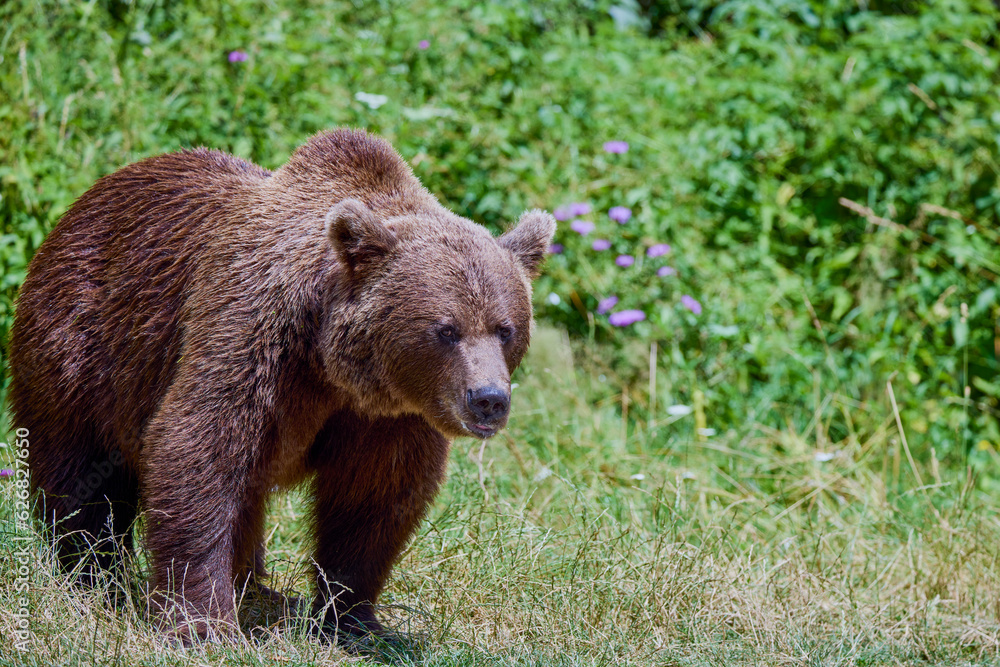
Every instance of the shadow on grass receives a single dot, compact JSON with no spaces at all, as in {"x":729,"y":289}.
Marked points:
{"x":262,"y":612}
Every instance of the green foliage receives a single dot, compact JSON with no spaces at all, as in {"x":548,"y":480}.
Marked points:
{"x":743,"y":143}
{"x":701,"y":18}
{"x":761,"y":138}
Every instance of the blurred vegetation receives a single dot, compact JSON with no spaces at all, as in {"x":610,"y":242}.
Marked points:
{"x":748,"y":123}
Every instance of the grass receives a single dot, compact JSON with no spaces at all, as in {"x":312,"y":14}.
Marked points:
{"x":552,"y":546}
{"x":807,"y":473}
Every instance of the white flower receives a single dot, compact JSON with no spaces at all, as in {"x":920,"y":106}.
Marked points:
{"x":679,"y":410}
{"x":371,"y":100}
{"x":544,"y":473}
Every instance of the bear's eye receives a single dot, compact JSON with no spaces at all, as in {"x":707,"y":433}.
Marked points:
{"x":448,"y":335}
{"x":504,"y":333}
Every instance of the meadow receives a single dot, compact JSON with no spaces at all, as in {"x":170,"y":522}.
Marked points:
{"x":760,"y":419}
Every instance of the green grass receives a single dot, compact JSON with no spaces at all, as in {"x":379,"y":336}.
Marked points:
{"x":547,"y":549}
{"x":806,"y":473}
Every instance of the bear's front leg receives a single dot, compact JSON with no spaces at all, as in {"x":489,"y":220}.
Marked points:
{"x":201,"y":485}
{"x":374,"y":481}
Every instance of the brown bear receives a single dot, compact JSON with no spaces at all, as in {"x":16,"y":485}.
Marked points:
{"x":198,"y":331}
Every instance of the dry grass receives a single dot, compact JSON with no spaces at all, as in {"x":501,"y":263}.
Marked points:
{"x":562,"y":547}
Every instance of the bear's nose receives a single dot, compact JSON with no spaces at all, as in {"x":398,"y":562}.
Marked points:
{"x":489,"y":403}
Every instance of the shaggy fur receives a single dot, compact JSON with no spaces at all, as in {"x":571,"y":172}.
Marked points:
{"x":197,"y":331}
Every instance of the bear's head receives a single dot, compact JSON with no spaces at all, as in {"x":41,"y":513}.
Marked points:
{"x":434,"y":314}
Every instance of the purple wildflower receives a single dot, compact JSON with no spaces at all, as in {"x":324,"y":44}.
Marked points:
{"x":424,"y":44}
{"x":665,"y":271}
{"x":691,"y":304}
{"x":237,"y":56}
{"x":620,"y":214}
{"x":582,"y":227}
{"x":6,"y":472}
{"x":625,"y":260}
{"x":562,"y":213}
{"x":601,"y":244}
{"x":606,"y":304}
{"x":658,"y":250}
{"x":579,"y":208}
{"x":626,"y":317}
{"x":616,"y":146}
{"x":556,"y":249}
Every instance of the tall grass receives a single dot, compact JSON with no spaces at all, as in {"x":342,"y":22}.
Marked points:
{"x":552,"y":546}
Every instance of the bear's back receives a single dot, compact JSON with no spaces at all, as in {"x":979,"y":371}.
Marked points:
{"x":98,"y":315}
{"x":188,"y":248}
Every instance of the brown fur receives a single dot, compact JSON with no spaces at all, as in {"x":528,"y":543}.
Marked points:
{"x":197,"y":331}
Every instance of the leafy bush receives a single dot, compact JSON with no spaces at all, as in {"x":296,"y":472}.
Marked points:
{"x":742,"y":144}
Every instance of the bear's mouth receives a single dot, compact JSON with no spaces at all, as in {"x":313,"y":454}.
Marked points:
{"x":481,"y":430}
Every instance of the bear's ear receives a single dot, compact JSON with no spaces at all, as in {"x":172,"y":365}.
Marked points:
{"x":357,"y":234}
{"x":529,"y":240}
